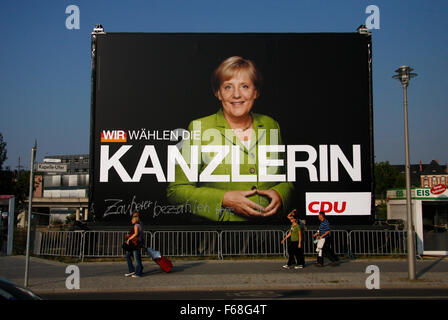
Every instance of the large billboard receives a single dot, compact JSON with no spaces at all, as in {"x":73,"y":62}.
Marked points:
{"x":231,"y":129}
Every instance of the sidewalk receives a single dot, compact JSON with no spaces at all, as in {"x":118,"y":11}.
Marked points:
{"x":48,"y":276}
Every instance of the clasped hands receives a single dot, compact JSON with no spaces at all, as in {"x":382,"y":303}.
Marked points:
{"x":240,"y":203}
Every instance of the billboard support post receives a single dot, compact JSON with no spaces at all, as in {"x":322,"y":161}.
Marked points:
{"x":404,"y":75}
{"x":97,"y":30}
{"x":30,"y":206}
{"x":362,"y":29}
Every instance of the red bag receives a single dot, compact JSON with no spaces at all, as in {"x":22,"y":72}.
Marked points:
{"x":164,"y":263}
{"x":134,"y":241}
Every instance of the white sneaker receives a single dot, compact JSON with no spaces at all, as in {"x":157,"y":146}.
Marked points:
{"x":298,"y":267}
{"x":286,"y":266}
{"x":129,"y":274}
{"x":135,"y":276}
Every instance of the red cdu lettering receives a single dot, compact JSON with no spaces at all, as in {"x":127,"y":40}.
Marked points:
{"x":342,"y":209}
{"x":311,"y":207}
{"x":326,"y":206}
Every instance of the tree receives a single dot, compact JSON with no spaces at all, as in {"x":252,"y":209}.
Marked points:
{"x":6,"y":177}
{"x":21,"y":188}
{"x":13,"y":182}
{"x":387,"y":177}
{"x":6,"y":182}
{"x":2,"y":151}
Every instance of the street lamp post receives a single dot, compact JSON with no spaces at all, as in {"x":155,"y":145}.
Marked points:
{"x":404,"y":75}
{"x":30,"y":208}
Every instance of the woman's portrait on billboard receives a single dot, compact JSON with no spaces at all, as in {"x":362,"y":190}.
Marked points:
{"x":241,"y":187}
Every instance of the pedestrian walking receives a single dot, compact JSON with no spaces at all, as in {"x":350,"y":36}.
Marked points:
{"x":135,"y":243}
{"x":295,"y":245}
{"x":324,"y":242}
{"x":142,"y":238}
{"x":302,"y":224}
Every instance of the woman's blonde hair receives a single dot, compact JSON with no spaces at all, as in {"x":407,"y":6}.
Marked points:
{"x":230,"y":66}
{"x":136,"y":219}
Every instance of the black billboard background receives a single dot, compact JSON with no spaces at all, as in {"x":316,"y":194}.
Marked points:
{"x":317,"y":86}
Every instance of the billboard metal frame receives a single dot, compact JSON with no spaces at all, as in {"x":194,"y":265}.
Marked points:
{"x":98,"y":30}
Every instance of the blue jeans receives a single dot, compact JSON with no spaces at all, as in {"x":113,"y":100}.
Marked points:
{"x":138,"y":262}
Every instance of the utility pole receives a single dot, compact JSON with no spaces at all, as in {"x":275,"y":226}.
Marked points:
{"x":19,"y":167}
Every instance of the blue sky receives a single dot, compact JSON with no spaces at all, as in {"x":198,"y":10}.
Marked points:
{"x":45,"y":68}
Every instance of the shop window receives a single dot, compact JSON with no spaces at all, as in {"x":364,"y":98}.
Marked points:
{"x":52,"y":181}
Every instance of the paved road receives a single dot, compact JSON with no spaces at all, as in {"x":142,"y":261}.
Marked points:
{"x":305,"y":294}
{"x":221,"y":289}
{"x":212,"y":278}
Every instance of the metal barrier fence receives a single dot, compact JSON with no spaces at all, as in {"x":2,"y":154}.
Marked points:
{"x":186,"y":243}
{"x":383,"y":242}
{"x":340,"y":242}
{"x":106,"y":243}
{"x":213,"y":243}
{"x":103,"y":243}
{"x":257,"y":242}
{"x":59,"y":243}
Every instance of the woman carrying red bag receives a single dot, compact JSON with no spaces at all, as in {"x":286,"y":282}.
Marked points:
{"x":135,"y":241}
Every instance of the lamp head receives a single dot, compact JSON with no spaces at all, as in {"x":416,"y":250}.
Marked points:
{"x":404,"y":75}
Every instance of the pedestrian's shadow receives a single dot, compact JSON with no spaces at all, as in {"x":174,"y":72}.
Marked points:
{"x":175,"y":269}
{"x":151,"y":272}
{"x":428,"y":268}
{"x":329,"y":263}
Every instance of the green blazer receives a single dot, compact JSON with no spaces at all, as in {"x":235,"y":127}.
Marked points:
{"x":205,"y":198}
